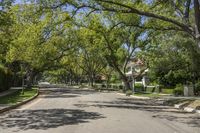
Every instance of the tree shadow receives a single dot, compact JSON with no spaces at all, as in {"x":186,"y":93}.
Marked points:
{"x":65,"y":91}
{"x":193,"y":121}
{"x":82,"y":92}
{"x":153,"y":109}
{"x":151,"y":105}
{"x":156,"y":107}
{"x":59,"y":96}
{"x":57,"y":93}
{"x":45,"y":119}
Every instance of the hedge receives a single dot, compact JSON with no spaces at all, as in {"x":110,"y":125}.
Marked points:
{"x":5,"y":79}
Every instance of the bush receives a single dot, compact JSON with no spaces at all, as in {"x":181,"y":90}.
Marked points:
{"x":121,"y":87}
{"x":5,"y":79}
{"x":103,"y":86}
{"x":197,"y":88}
{"x":167,"y":91}
{"x":179,"y":90}
{"x":129,"y":92}
{"x":139,"y":87}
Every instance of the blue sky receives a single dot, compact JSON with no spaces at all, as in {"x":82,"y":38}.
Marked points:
{"x":18,"y":1}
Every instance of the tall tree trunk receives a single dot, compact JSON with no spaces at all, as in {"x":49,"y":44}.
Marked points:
{"x":91,"y":81}
{"x":197,"y":21}
{"x":30,"y":78}
{"x":126,"y":83}
{"x":107,"y":82}
{"x":133,"y":88}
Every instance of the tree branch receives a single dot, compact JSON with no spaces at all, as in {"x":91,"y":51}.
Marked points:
{"x":197,"y":17}
{"x":143,"y":13}
{"x":187,"y":11}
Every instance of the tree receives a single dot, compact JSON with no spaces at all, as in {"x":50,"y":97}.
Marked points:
{"x":182,"y":16}
{"x":39,"y":44}
{"x":90,"y":54}
{"x":6,"y":23}
{"x":174,"y":60}
{"x":107,"y":72}
{"x":171,"y":15}
{"x":5,"y":28}
{"x":118,"y":43}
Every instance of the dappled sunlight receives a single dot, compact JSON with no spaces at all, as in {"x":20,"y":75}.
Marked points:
{"x":155,"y":107}
{"x":47,"y":118}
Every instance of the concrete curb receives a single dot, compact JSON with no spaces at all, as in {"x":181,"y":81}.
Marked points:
{"x":181,"y":105}
{"x":132,"y":96}
{"x":139,"y":97}
{"x":19,"y":104}
{"x":198,"y":111}
{"x":187,"y":109}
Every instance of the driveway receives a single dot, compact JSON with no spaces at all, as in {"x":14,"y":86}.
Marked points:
{"x":66,"y":110}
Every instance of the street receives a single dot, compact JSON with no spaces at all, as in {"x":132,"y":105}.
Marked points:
{"x":65,"y":110}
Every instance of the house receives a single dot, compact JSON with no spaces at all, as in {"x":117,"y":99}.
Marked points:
{"x":137,"y":70}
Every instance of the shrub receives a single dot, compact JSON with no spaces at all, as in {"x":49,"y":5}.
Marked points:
{"x":197,"y":88}
{"x":121,"y":87}
{"x":138,"y":87}
{"x":5,"y":79}
{"x":167,"y":90}
{"x":129,"y":92}
{"x":103,"y":86}
{"x":179,"y":90}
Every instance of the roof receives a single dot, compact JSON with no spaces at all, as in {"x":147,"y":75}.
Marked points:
{"x":135,"y":62}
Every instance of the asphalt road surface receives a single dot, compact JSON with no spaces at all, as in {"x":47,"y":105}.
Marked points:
{"x":64,"y":110}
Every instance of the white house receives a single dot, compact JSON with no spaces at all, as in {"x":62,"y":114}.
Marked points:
{"x":137,"y":68}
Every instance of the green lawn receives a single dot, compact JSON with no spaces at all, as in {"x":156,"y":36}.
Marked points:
{"x":18,"y":96}
{"x":168,"y":90}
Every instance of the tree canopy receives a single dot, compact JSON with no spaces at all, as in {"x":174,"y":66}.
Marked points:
{"x":88,"y":40}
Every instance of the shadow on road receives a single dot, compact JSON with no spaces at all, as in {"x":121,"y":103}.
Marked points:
{"x":64,"y":92}
{"x":135,"y":104}
{"x":59,"y":96}
{"x":47,"y":118}
{"x":156,"y":107}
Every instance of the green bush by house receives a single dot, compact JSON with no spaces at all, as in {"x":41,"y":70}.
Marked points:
{"x":178,"y":91}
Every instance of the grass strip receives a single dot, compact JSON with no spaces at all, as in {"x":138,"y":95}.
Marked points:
{"x":18,"y":96}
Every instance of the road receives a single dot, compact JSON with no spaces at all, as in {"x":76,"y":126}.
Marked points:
{"x":64,"y":110}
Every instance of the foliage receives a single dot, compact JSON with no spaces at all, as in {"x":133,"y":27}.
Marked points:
{"x":115,"y":78}
{"x":167,"y":90}
{"x":64,"y":43}
{"x":5,"y":78}
{"x":139,"y":87}
{"x":178,"y":91}
{"x":175,"y":60}
{"x":197,"y":88}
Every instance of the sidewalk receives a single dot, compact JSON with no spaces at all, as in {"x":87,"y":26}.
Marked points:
{"x":188,"y":104}
{"x":9,"y":105}
{"x":8,"y":92}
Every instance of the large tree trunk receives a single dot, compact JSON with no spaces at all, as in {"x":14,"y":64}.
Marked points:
{"x":91,"y":81}
{"x":107,"y":83}
{"x":30,"y":78}
{"x":126,"y":82}
{"x":198,"y":44}
{"x":197,"y":21}
{"x":133,"y":88}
